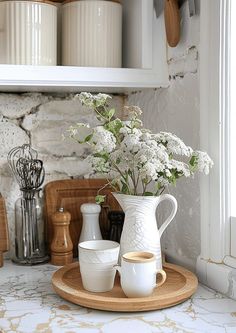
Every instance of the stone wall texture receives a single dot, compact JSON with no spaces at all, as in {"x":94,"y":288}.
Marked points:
{"x":42,"y":118}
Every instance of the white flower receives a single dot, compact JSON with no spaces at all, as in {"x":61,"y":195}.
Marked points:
{"x":204,"y":162}
{"x":103,"y":140}
{"x":133,"y":155}
{"x":131,"y":141}
{"x":133,"y":112}
{"x":163,"y":181}
{"x":98,"y":164}
{"x":75,"y":131}
{"x":101,"y":99}
{"x":148,"y":171}
{"x":147,"y":136}
{"x":151,"y":169}
{"x":174,"y":144}
{"x":167,"y":172}
{"x":133,"y":109}
{"x":123,"y":159}
{"x":85,"y":98}
{"x":180,"y":167}
{"x":127,"y":129}
{"x":92,"y":100}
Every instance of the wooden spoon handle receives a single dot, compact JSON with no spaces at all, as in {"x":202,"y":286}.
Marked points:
{"x":172,"y":22}
{"x":4,"y":241}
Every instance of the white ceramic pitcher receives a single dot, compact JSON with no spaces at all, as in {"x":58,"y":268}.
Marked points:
{"x":140,"y":232}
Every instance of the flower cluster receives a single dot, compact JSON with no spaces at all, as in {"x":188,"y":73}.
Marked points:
{"x":137,"y":161}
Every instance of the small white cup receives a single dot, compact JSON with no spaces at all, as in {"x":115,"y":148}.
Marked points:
{"x":97,"y":259}
{"x":138,"y":274}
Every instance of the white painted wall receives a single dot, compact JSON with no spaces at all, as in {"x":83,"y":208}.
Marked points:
{"x":176,"y":110}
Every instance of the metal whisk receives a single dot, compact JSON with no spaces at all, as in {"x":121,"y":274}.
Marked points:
{"x":25,"y":152}
{"x":29,"y":173}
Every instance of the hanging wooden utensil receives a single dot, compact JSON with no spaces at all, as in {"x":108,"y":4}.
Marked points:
{"x":172,"y":22}
{"x":4,"y":241}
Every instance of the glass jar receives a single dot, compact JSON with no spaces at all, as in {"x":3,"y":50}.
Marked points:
{"x":30,"y":246}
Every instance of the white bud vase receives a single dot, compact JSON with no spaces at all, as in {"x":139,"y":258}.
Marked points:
{"x":140,"y":232}
{"x":90,"y":229}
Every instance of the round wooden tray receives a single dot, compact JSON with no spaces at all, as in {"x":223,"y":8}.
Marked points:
{"x":180,"y":285}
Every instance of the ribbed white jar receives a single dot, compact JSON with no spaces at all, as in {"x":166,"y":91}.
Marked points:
{"x":28,"y":33}
{"x":92,"y":33}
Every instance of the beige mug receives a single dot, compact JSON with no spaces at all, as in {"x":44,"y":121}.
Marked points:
{"x":138,"y":274}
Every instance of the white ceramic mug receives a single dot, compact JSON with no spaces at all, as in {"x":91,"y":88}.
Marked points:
{"x":97,"y":259}
{"x":138,"y":274}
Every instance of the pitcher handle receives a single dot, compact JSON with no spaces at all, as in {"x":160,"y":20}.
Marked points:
{"x":173,"y":211}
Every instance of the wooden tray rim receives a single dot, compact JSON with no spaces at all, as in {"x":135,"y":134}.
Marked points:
{"x":139,"y":304}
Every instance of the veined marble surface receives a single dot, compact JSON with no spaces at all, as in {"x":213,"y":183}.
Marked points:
{"x":28,"y":304}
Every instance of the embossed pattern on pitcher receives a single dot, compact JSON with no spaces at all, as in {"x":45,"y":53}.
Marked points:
{"x":140,"y":232}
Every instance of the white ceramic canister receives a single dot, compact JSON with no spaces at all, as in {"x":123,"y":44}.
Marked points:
{"x":28,"y":32}
{"x":92,"y":33}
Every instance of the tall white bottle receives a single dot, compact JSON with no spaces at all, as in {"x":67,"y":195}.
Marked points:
{"x":90,"y":229}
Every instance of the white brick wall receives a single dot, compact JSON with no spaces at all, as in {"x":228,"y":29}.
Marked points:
{"x":41,"y":120}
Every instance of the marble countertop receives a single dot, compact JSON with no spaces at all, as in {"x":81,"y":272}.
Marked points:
{"x":28,"y":304}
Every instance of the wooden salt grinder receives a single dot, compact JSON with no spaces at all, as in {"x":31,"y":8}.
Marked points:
{"x":61,"y":246}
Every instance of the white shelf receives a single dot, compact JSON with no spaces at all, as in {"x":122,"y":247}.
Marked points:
{"x":72,"y":79}
{"x":145,"y":46}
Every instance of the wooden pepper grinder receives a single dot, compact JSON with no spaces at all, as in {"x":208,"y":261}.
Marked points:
{"x":61,"y":246}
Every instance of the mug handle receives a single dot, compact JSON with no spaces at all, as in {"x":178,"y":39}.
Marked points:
{"x":163,"y":274}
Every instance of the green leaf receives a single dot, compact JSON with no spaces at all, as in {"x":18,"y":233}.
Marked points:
{"x":102,"y":155}
{"x":129,"y":172}
{"x":88,"y":138}
{"x":172,"y":180}
{"x":148,"y":194}
{"x":100,"y":199}
{"x":124,"y":188}
{"x":114,"y":126}
{"x":111,"y":113}
{"x":118,"y":160}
